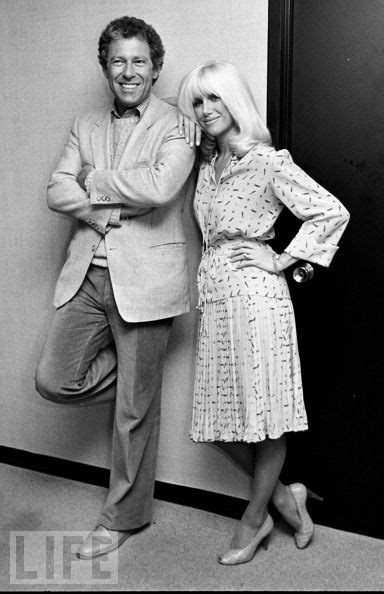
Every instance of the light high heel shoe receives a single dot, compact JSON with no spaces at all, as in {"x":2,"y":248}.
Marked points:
{"x":236,"y":556}
{"x":300,"y":494}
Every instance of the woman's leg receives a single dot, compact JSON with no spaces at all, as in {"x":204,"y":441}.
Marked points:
{"x":244,"y":454}
{"x":283,"y":501}
{"x":268,"y":462}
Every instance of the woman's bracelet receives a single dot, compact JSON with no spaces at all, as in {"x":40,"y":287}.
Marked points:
{"x":275,"y":259}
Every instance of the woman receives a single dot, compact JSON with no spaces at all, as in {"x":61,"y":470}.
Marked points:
{"x":248,"y":389}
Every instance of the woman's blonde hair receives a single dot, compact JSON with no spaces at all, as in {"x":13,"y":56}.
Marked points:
{"x":225,"y":81}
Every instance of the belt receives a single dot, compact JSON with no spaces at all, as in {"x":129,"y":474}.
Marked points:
{"x":209,"y":266}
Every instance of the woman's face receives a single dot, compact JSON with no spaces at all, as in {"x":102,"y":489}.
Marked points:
{"x":213,"y":116}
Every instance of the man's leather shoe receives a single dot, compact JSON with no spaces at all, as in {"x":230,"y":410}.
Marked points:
{"x":102,"y":541}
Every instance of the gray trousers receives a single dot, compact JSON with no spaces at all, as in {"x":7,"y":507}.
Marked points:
{"x":92,"y":355}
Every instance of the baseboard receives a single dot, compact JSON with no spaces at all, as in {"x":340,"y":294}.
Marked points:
{"x":224,"y":505}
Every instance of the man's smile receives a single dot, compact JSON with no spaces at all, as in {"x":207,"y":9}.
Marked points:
{"x":128,"y":86}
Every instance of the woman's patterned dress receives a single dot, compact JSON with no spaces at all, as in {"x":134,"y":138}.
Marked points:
{"x":248,"y":379}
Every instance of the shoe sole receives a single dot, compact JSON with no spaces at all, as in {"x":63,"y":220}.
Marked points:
{"x":109,"y":550}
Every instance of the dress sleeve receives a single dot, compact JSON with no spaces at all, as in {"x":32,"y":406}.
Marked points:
{"x":324,"y":217}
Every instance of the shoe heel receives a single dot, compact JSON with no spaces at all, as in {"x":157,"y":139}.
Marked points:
{"x":236,"y":556}
{"x":266,"y":543}
{"x":300,"y":494}
{"x":313,"y":495}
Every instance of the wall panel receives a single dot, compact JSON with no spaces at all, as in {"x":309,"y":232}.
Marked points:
{"x":49,"y":74}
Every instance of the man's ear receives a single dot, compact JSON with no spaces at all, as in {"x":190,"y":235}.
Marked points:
{"x":155,"y":74}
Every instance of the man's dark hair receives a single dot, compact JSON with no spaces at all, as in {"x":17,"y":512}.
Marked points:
{"x":126,"y":27}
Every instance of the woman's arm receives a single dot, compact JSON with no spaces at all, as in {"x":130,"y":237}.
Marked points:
{"x":324,"y":216}
{"x":190,"y":129}
{"x":245,"y":255}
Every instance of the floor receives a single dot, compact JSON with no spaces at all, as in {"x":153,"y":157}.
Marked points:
{"x":176,"y":553}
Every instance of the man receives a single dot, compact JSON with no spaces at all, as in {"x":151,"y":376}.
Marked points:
{"x":122,"y":176}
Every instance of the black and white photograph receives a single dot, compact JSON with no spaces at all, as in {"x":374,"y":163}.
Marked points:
{"x":191,"y":376}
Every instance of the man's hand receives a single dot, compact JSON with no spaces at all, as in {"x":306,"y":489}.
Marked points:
{"x":83,"y":174}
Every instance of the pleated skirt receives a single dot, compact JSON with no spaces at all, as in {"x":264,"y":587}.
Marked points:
{"x":248,"y":378}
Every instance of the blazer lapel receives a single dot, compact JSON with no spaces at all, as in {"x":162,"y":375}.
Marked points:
{"x":135,"y":143}
{"x":101,"y":142}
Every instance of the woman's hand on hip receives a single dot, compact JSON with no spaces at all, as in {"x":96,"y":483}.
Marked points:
{"x":245,"y":255}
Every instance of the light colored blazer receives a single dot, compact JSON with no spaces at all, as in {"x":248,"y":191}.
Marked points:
{"x":146,"y":254}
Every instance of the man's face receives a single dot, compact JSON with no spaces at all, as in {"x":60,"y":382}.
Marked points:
{"x":130,"y":72}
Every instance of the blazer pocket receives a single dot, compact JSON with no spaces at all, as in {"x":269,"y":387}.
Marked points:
{"x":168,"y":245}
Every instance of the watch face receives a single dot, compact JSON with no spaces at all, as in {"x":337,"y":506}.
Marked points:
{"x":303,"y":273}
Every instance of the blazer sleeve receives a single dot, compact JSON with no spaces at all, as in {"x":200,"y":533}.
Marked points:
{"x":66,"y":196}
{"x":154,"y":185}
{"x":324,"y":217}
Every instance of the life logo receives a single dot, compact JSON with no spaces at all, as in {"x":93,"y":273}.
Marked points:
{"x":49,"y":557}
